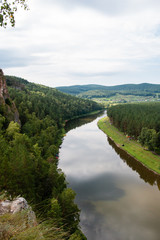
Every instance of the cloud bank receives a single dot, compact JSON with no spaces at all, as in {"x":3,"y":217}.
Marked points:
{"x":80,"y":42}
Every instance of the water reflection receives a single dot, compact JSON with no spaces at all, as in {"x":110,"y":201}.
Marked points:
{"x":135,"y":216}
{"x":99,"y":188}
{"x":71,"y":124}
{"x":92,"y":222}
{"x":115,"y":199}
{"x":144,"y":173}
{"x":85,"y":154}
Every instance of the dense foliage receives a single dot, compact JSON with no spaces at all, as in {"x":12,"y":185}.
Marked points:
{"x":99,"y":91}
{"x":47,"y":101}
{"x":29,"y":153}
{"x":141,"y":121}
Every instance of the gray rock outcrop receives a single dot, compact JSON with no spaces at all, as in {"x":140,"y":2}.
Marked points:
{"x":18,"y":205}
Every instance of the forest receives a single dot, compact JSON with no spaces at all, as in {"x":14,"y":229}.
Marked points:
{"x":138,"y":121}
{"x":29,"y":150}
{"x":99,"y":91}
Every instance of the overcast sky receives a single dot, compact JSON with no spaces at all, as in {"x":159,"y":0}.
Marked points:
{"x":68,"y":42}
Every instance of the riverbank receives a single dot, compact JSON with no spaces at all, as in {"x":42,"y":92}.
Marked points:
{"x":86,"y":115}
{"x":132,"y":147}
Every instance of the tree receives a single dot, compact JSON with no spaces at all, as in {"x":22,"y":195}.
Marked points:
{"x":8,"y":9}
{"x":70,"y":211}
{"x":148,"y":138}
{"x":2,"y":120}
{"x":12,"y":129}
{"x":55,"y":212}
{"x":78,"y":235}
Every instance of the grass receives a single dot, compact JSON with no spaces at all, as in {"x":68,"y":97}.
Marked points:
{"x":15,"y":227}
{"x":147,"y":158}
{"x":23,"y":226}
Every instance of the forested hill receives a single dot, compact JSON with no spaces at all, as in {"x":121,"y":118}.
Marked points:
{"x":29,"y":151}
{"x":77,"y":89}
{"x":139,"y":121}
{"x":92,"y":90}
{"x":47,"y":101}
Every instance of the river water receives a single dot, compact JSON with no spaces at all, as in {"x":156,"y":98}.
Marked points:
{"x":119,"y":199}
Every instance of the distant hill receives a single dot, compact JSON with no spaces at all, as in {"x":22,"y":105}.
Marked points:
{"x":77,"y":89}
{"x":99,"y":91}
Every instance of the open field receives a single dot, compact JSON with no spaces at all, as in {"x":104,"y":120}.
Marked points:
{"x":120,"y":98}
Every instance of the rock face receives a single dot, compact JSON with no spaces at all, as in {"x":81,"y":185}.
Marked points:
{"x":3,"y":88}
{"x":13,"y":206}
{"x":18,"y":205}
{"x":11,"y":112}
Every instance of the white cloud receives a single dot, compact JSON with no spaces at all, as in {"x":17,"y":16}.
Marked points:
{"x":66,"y":45}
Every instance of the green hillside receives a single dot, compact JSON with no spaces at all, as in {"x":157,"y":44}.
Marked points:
{"x":29,"y":151}
{"x":77,"y":89}
{"x":99,"y":91}
{"x":48,"y":101}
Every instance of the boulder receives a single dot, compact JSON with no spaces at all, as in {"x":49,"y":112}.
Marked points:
{"x":17,"y":205}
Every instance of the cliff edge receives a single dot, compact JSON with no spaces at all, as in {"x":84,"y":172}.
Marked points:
{"x":7,"y":106}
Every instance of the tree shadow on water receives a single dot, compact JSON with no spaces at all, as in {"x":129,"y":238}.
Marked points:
{"x":144,"y":173}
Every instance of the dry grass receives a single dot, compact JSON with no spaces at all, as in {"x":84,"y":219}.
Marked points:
{"x":15,"y":227}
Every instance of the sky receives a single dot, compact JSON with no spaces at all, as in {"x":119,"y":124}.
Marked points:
{"x":70,"y":42}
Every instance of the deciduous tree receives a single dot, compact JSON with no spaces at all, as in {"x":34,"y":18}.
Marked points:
{"x":8,"y":9}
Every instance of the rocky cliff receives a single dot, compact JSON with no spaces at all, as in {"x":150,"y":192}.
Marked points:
{"x":7,"y":106}
{"x":3,"y":88}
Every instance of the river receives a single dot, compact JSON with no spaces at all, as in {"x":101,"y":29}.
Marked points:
{"x":119,"y":199}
